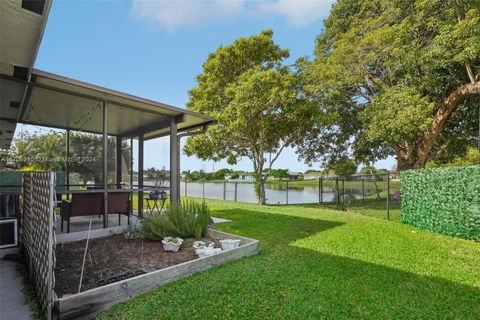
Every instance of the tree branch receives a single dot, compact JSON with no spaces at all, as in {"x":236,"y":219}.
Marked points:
{"x":442,"y":148}
{"x":470,"y":73}
{"x":443,"y":113}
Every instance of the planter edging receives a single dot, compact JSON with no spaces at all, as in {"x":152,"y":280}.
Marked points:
{"x":86,"y":304}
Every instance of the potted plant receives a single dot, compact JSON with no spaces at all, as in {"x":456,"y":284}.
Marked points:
{"x":228,"y":244}
{"x":205,"y":248}
{"x":171,"y":243}
{"x":203,"y":244}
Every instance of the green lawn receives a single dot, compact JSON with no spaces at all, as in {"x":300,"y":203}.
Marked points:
{"x":319,"y":263}
{"x":371,"y":207}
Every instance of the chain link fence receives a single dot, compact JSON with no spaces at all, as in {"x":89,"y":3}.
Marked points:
{"x":373,"y":195}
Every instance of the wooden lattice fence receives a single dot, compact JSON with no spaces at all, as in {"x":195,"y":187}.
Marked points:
{"x":38,"y":237}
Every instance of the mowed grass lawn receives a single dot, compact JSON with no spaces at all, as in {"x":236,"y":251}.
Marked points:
{"x":319,"y":263}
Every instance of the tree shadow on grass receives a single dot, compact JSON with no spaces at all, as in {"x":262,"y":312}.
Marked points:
{"x":370,"y":207}
{"x":289,"y":282}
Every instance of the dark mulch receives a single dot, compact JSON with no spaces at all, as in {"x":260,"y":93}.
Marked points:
{"x":112,"y":259}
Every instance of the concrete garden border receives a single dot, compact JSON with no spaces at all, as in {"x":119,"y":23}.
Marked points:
{"x":86,"y":304}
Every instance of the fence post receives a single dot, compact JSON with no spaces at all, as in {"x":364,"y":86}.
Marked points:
{"x":236,"y":184}
{"x":320,"y":190}
{"x":186,"y":182}
{"x":388,"y":196}
{"x":363,"y":189}
{"x":337,"y":192}
{"x":343,"y":194}
{"x":224,"y":190}
{"x":286,"y":200}
{"x":203,"y":189}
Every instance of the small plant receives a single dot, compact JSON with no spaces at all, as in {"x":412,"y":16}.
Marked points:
{"x":203,"y":244}
{"x":186,"y":219}
{"x":129,"y":235}
{"x":172,"y":240}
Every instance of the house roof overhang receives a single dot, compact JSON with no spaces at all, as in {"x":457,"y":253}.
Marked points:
{"x":21,"y":29}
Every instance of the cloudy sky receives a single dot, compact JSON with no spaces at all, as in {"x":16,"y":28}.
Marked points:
{"x":155,"y":49}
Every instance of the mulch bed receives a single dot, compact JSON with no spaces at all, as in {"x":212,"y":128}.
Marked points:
{"x":112,"y":259}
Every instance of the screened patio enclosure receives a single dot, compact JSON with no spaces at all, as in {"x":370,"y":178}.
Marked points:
{"x":57,"y":102}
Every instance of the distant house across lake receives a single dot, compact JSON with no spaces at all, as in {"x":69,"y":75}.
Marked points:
{"x":296,"y":176}
{"x":312,"y":175}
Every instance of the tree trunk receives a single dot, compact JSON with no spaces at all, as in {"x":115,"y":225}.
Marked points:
{"x":415,"y":161}
{"x":261,"y":192}
{"x":419,"y":155}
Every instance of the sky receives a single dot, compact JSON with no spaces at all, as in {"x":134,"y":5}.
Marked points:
{"x":155,"y":49}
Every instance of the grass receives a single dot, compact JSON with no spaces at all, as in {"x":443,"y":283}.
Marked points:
{"x":318,"y":263}
{"x":371,"y":207}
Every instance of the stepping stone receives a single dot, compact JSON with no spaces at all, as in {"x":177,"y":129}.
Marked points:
{"x":220,"y":220}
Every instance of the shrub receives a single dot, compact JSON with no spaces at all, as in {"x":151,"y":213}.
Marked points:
{"x":186,"y":219}
{"x":444,"y":200}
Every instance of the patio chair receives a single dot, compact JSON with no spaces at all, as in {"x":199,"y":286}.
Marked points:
{"x":81,"y":204}
{"x":119,"y":203}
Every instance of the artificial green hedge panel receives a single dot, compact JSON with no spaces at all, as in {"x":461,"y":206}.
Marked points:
{"x":443,"y":200}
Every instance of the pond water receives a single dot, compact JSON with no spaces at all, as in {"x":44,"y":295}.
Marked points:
{"x":275,"y":193}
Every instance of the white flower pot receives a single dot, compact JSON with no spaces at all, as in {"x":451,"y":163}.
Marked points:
{"x":228,"y":244}
{"x":172,"y":244}
{"x":206,"y":252}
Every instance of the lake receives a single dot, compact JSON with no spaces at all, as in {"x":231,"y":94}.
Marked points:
{"x":275,"y":194}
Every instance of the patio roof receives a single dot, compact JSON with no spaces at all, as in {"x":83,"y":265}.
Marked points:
{"x":63,"y":103}
{"x":59,"y":102}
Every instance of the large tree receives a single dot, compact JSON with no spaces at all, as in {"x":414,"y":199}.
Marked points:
{"x":395,"y":78}
{"x":254,"y":99}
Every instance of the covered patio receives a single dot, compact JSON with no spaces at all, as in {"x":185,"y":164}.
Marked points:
{"x":34,"y":97}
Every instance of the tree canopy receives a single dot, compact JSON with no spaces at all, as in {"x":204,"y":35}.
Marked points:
{"x":254,"y":99}
{"x":395,"y":78}
{"x":343,"y":167}
{"x":48,"y":152}
{"x":279,"y":173}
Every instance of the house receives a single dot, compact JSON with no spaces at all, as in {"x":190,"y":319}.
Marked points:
{"x":295,"y":176}
{"x":246,"y":177}
{"x":312,"y":175}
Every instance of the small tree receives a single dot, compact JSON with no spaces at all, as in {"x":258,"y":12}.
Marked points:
{"x":220,"y":174}
{"x":369,"y":169}
{"x":279,"y":173}
{"x":255,"y":102}
{"x":344,"y":167}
